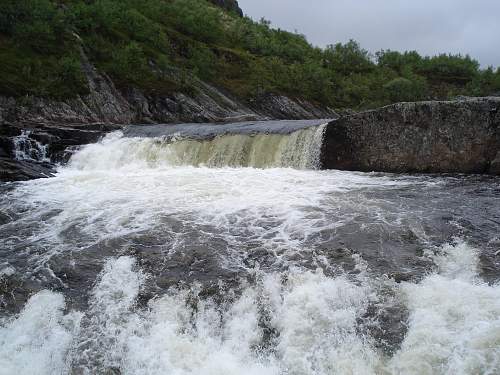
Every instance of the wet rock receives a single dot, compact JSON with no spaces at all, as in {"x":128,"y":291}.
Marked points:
{"x":15,"y":291}
{"x":495,"y":165}
{"x":3,"y":152}
{"x":399,"y":277}
{"x":386,"y":321}
{"x":60,"y":138}
{"x":455,"y":136}
{"x":206,"y":104}
{"x":112,"y":371}
{"x":13,"y":170}
{"x":282,"y":107}
{"x":5,"y":147}
{"x":4,"y":218}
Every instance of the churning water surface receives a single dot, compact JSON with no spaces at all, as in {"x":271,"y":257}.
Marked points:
{"x":158,"y":255}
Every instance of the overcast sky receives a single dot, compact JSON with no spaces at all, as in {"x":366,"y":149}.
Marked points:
{"x":428,"y":26}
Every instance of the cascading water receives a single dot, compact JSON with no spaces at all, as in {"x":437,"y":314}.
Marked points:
{"x":26,"y":148}
{"x":226,"y":252}
{"x":300,"y":149}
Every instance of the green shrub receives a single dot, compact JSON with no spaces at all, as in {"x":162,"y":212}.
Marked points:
{"x":129,"y":63}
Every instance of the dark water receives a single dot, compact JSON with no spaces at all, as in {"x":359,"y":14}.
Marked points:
{"x":129,"y":262}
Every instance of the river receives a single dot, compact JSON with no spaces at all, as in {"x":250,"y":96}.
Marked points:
{"x":156,"y":252}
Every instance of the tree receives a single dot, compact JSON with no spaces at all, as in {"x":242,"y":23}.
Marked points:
{"x":348,"y":58}
{"x":454,"y":69}
{"x":402,"y":89}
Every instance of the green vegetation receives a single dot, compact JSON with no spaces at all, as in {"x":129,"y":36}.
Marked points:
{"x":162,"y":46}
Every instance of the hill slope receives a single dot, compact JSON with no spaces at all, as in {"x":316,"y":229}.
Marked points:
{"x":62,"y":51}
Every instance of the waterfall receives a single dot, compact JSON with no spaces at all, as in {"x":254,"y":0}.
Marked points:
{"x":299,"y":149}
{"x":26,"y":148}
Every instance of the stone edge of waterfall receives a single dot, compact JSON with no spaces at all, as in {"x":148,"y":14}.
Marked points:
{"x":204,"y":131}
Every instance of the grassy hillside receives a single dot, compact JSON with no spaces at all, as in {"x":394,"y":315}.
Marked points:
{"x":161,"y":45}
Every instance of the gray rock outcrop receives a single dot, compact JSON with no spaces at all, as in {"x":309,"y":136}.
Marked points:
{"x":460,"y":136}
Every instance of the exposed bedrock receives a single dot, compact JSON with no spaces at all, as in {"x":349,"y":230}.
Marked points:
{"x":460,"y":136}
{"x":106,"y":104}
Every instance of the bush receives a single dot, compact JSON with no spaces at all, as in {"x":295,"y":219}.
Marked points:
{"x":71,"y":78}
{"x":202,"y":61}
{"x":129,"y":63}
{"x":38,"y":35}
{"x":402,"y":90}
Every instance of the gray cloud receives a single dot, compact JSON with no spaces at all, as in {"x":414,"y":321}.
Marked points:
{"x":428,"y":26}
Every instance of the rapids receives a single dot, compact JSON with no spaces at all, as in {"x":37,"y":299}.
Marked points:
{"x":226,"y":251}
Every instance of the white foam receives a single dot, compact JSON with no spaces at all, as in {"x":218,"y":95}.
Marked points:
{"x":315,"y":318}
{"x":457,"y":261}
{"x":110,"y":191}
{"x":317,"y":322}
{"x":176,"y":339}
{"x":6,"y":269}
{"x":100,"y":344}
{"x":38,"y":341}
{"x":454,"y":325}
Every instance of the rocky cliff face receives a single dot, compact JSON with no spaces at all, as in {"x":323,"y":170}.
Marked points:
{"x":461,"y":136}
{"x":105,"y":104}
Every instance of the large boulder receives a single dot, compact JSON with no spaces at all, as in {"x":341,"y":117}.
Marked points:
{"x":460,"y":136}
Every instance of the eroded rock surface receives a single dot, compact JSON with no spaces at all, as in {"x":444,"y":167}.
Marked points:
{"x":461,"y":136}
